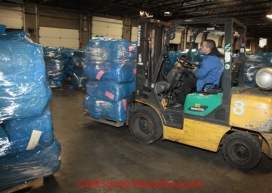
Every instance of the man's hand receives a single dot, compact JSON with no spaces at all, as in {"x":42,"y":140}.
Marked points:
{"x":196,"y":63}
{"x":192,"y":70}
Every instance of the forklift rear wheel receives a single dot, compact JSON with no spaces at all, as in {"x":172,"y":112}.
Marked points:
{"x":145,"y":125}
{"x":242,"y":150}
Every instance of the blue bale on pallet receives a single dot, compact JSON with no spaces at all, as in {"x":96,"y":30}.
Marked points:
{"x":97,"y":108}
{"x":109,"y":49}
{"x":24,"y":91}
{"x":20,"y":131}
{"x":118,"y":71}
{"x":18,"y":168}
{"x":110,"y":91}
{"x":78,"y":77}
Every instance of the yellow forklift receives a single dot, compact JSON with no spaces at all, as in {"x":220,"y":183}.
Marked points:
{"x":237,"y":119}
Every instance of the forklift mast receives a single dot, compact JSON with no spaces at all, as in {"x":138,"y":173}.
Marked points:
{"x":151,"y":38}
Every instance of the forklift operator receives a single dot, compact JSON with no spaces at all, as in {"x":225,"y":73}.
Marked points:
{"x":209,"y":70}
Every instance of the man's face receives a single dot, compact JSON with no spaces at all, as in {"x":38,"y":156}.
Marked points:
{"x":204,"y":49}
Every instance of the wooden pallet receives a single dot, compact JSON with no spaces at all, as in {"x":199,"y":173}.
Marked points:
{"x":31,"y":185}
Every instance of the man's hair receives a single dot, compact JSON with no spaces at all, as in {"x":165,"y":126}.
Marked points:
{"x":210,"y":43}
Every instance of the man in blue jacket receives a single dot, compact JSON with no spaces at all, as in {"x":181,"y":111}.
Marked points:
{"x":209,"y":70}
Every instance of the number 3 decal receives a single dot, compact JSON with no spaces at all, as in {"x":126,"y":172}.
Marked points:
{"x":239,"y":107}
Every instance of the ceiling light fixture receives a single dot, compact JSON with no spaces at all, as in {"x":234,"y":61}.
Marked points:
{"x":167,"y":13}
{"x":269,"y":16}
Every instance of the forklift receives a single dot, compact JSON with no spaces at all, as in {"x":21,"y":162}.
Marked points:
{"x":237,"y":119}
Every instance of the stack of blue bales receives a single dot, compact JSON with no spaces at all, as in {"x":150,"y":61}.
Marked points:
{"x":111,"y":67}
{"x":68,"y":58}
{"x":54,"y":66}
{"x":28,"y":149}
{"x":78,"y":77}
{"x":254,"y":62}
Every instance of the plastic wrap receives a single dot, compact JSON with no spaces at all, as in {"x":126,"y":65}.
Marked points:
{"x":54,"y":62}
{"x":54,"y":65}
{"x":78,"y":77}
{"x":17,"y":168}
{"x":21,"y":62}
{"x":97,"y":108}
{"x":19,"y":36}
{"x":110,"y":91}
{"x":118,"y":71}
{"x":23,"y":88}
{"x":5,"y":145}
{"x":22,"y":100}
{"x":109,"y":49}
{"x":55,"y":83}
{"x":52,"y":53}
{"x":55,"y":75}
{"x":250,"y":75}
{"x":19,"y":131}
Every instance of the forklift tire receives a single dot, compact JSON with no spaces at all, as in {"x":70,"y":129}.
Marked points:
{"x":242,"y":150}
{"x":145,"y":125}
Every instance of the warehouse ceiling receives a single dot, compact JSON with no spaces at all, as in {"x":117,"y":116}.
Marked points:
{"x":250,"y":12}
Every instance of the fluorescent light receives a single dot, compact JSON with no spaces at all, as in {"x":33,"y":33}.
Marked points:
{"x":269,"y":16}
{"x":167,"y":13}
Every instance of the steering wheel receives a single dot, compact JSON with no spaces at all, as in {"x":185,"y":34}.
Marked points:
{"x":186,"y":63}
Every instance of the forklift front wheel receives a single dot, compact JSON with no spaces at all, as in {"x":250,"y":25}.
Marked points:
{"x":242,"y":150}
{"x":145,"y":125}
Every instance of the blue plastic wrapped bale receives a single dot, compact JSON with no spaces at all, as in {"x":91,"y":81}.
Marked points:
{"x":54,"y":65}
{"x":21,"y":62}
{"x":18,"y":168}
{"x":55,"y":76}
{"x":78,"y":83}
{"x":2,"y":29}
{"x":250,"y":75}
{"x":78,"y":78}
{"x":258,"y":59}
{"x":110,"y":91}
{"x":79,"y":58}
{"x":23,"y":100}
{"x":20,"y":131}
{"x":55,"y":83}
{"x":5,"y":144}
{"x":52,"y":53}
{"x":18,"y":36}
{"x":68,"y":57}
{"x":118,"y":71}
{"x":108,"y":49}
{"x":97,"y":108}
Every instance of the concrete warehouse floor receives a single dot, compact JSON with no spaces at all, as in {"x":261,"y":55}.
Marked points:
{"x":94,"y":151}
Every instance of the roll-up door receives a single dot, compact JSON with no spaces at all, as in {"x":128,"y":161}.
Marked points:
{"x":106,"y":27}
{"x":58,"y":37}
{"x":11,"y":16}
